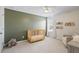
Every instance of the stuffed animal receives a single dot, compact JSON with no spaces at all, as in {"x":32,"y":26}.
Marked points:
{"x":11,"y":43}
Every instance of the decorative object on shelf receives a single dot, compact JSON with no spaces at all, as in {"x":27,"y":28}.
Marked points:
{"x":69,"y":24}
{"x":59,"y":23}
{"x":59,"y":27}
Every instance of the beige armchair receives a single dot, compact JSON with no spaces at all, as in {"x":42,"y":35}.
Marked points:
{"x":36,"y":35}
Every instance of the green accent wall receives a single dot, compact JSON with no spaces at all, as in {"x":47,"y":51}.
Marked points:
{"x":17,"y":23}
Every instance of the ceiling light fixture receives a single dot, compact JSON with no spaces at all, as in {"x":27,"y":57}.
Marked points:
{"x":46,"y":9}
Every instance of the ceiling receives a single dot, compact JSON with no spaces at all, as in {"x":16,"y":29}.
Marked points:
{"x":39,"y":10}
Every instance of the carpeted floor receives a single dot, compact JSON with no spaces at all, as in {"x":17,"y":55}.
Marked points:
{"x":48,"y":45}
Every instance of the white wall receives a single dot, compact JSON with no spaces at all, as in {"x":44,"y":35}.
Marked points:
{"x":1,"y":27}
{"x":71,"y":16}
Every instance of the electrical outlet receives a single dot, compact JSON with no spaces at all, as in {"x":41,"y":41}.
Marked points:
{"x":23,"y":37}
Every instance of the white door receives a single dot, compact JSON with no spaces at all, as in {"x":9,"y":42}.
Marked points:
{"x":1,"y":27}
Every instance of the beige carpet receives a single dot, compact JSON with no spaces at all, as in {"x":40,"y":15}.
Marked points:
{"x":48,"y":45}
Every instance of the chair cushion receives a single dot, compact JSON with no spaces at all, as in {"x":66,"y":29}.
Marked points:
{"x":76,"y":38}
{"x":73,"y":43}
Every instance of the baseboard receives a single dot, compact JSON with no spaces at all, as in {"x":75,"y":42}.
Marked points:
{"x":21,"y":41}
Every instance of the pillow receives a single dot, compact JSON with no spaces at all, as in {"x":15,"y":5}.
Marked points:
{"x":66,"y":39}
{"x":76,"y":38}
